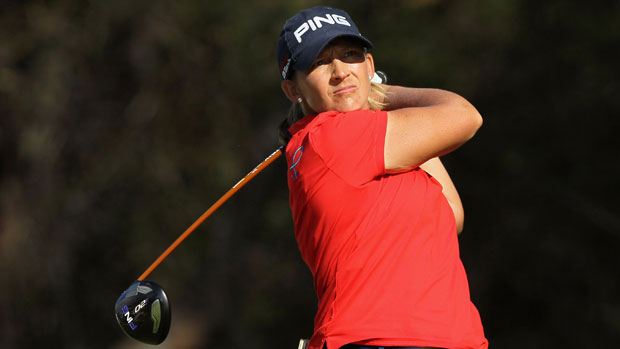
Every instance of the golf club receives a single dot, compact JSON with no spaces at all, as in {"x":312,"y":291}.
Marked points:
{"x":143,"y":310}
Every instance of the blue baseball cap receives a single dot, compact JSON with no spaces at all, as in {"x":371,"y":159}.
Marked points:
{"x":307,"y":33}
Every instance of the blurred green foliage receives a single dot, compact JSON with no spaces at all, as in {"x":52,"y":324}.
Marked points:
{"x":122,"y":121}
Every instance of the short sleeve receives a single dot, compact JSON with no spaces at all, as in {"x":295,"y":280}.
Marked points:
{"x":351,"y":144}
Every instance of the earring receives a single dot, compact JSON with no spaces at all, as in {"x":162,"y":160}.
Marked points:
{"x":299,"y":100}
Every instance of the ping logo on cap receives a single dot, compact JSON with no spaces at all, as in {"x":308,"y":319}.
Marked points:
{"x":317,"y":23}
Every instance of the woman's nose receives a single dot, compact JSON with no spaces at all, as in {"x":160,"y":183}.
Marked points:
{"x":340,"y":70}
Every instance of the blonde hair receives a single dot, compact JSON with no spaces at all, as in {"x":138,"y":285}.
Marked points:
{"x":376,"y":101}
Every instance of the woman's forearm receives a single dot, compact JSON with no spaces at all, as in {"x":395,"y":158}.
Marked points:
{"x":425,"y":123}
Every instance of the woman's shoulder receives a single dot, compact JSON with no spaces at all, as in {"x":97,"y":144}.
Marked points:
{"x":337,"y":121}
{"x":334,"y":113}
{"x":344,"y":116}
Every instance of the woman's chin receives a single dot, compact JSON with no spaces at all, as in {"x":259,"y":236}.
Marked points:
{"x":349,"y":106}
{"x":342,"y":106}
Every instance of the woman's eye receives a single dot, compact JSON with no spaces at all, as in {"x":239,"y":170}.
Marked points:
{"x":353,"y":56}
{"x":320,"y":62}
{"x":317,"y":64}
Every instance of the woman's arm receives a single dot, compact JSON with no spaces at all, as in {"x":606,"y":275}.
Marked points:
{"x":435,"y":168}
{"x":423,"y":124}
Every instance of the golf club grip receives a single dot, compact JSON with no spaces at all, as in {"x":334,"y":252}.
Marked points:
{"x":271,"y":158}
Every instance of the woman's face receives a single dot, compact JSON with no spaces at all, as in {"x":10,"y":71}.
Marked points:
{"x":339,"y":79}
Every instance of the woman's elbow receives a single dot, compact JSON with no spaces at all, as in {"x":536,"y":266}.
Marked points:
{"x":475,"y":119}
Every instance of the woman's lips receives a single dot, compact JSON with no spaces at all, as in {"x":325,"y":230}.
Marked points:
{"x":344,"y":90}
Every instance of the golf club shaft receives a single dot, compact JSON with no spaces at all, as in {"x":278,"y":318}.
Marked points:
{"x":271,"y":158}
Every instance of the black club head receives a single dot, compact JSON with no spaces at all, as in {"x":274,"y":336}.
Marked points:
{"x":143,"y":312}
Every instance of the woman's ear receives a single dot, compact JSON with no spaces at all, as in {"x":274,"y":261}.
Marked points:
{"x":370,"y":62}
{"x":290,"y":90}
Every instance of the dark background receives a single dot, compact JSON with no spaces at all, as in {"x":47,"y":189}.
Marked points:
{"x":122,"y":121}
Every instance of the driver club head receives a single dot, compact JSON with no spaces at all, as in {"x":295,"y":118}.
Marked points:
{"x":143,"y":312}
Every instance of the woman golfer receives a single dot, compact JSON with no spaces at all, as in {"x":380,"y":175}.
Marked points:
{"x":376,"y":214}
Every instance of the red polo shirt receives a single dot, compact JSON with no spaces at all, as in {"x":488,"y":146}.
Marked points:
{"x":383,"y":249}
